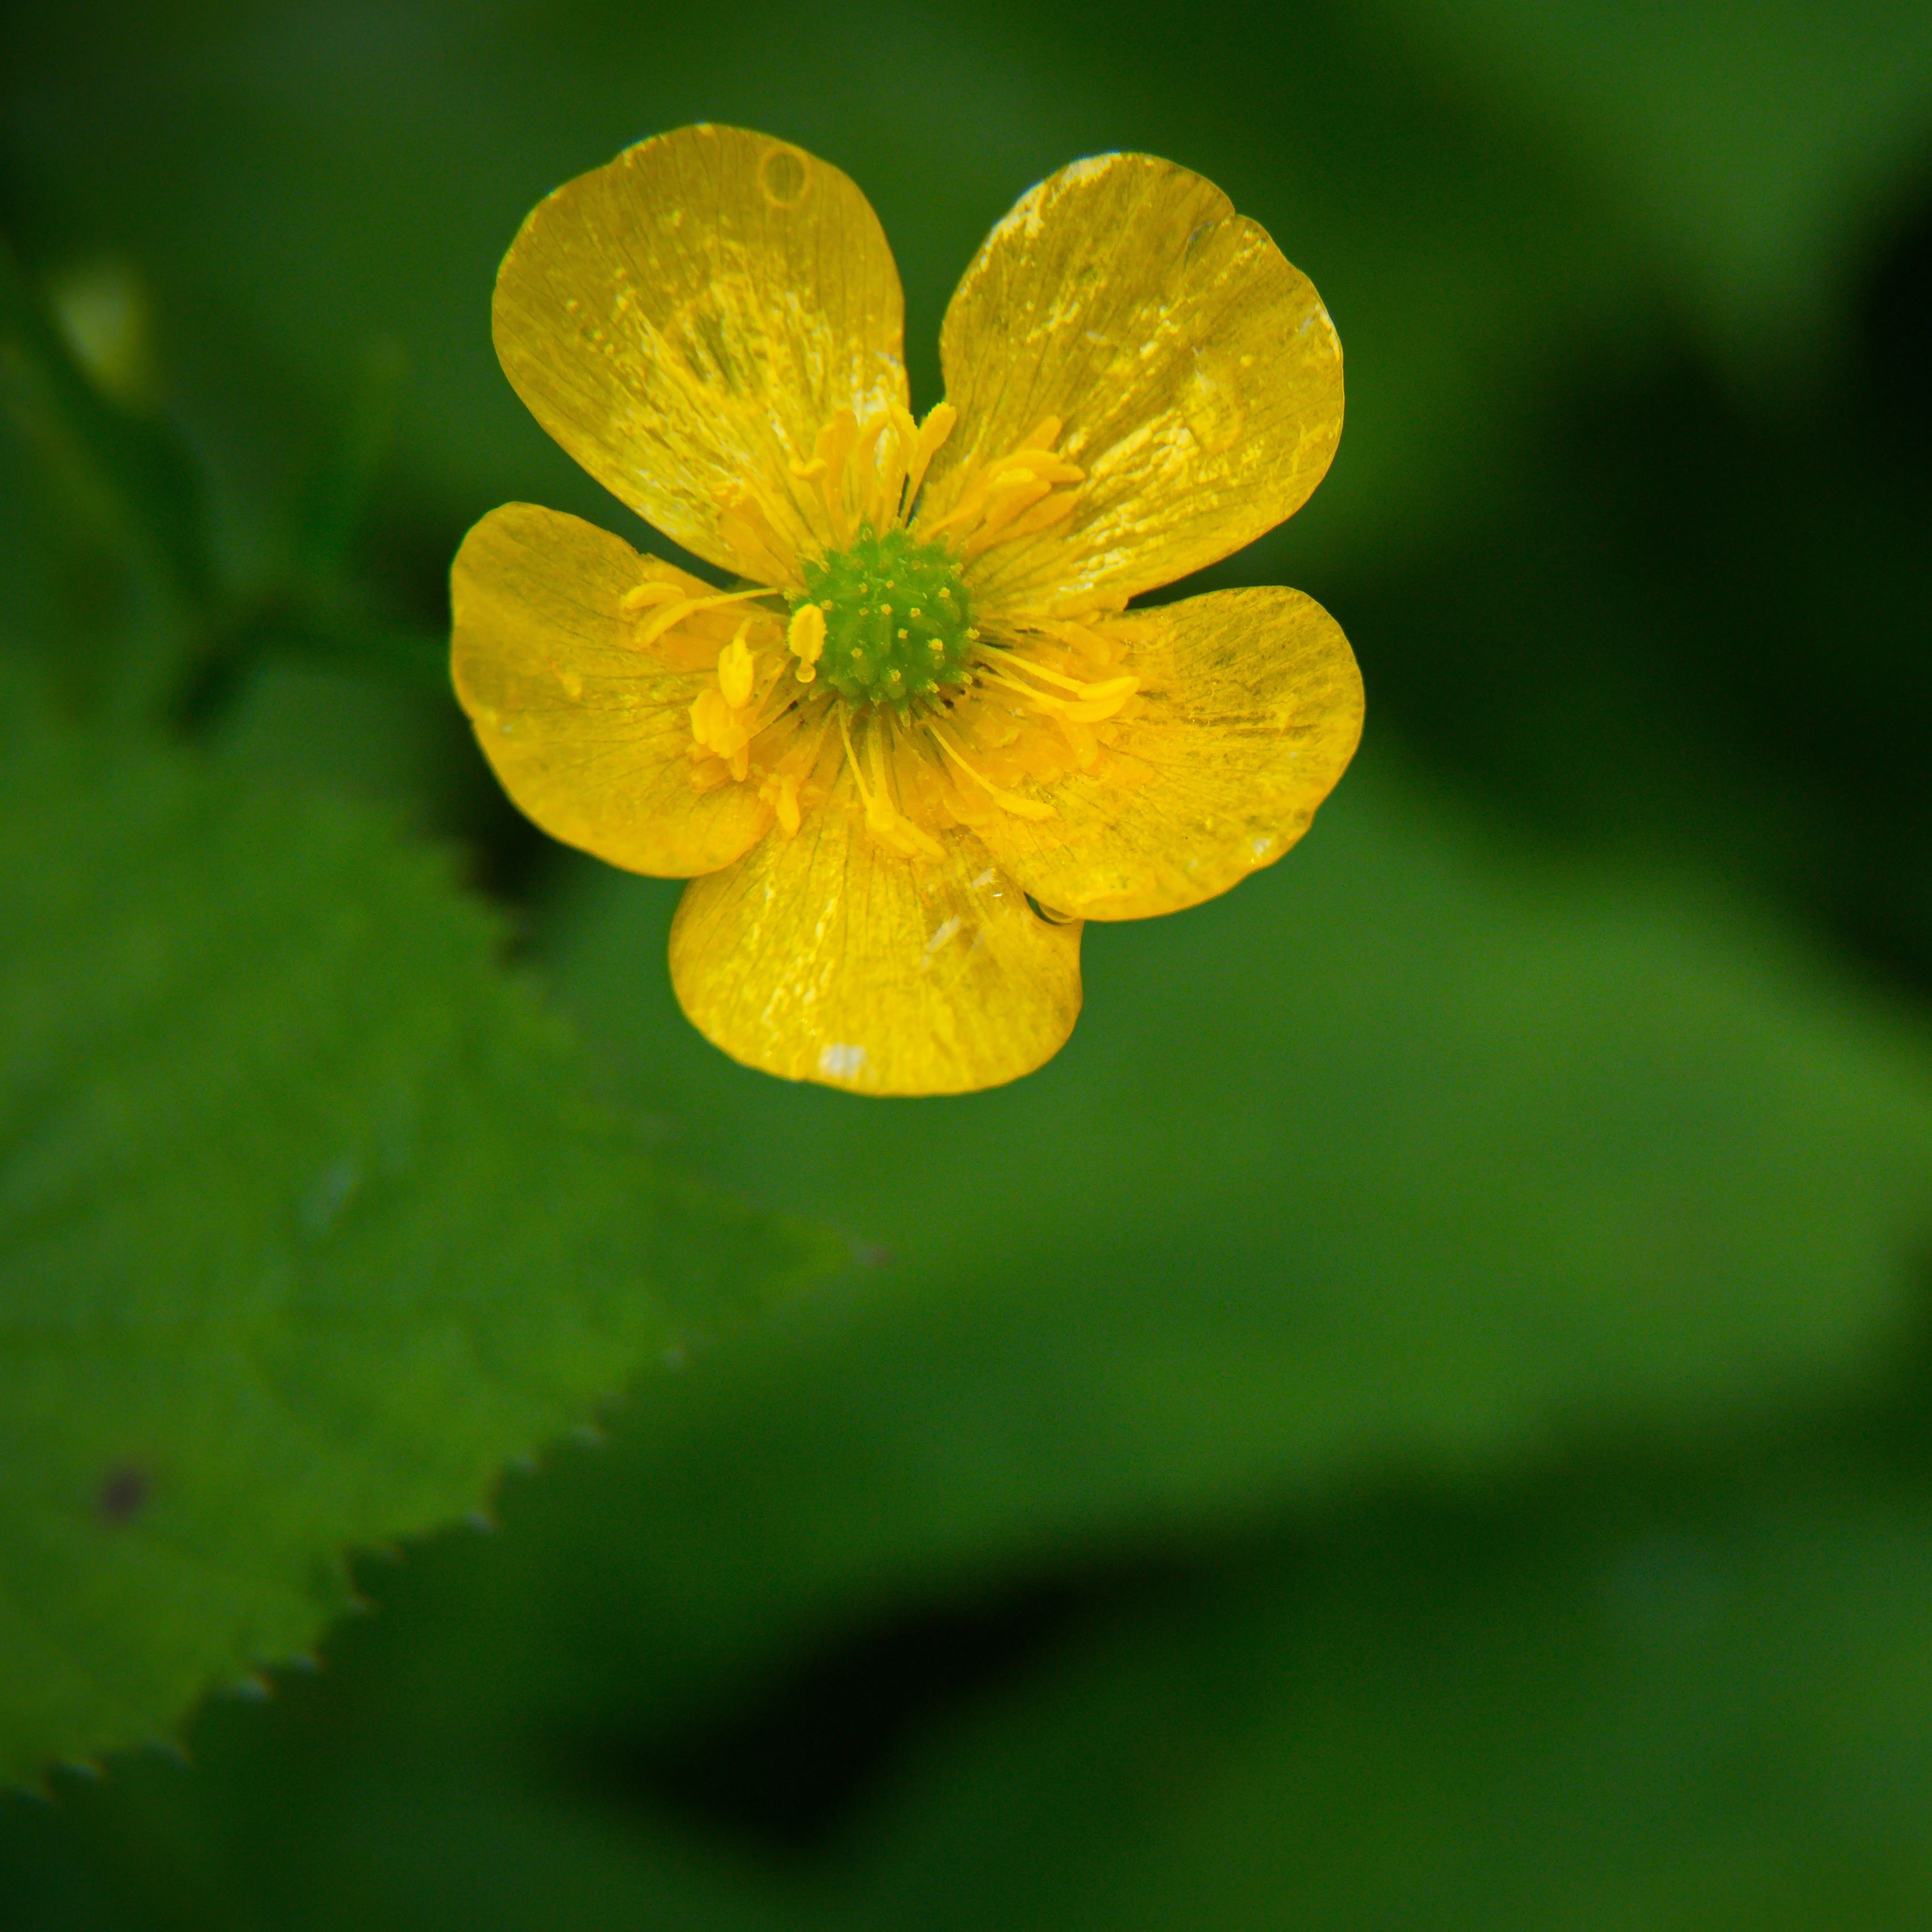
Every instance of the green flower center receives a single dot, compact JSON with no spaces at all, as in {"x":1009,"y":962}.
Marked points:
{"x":898,"y":621}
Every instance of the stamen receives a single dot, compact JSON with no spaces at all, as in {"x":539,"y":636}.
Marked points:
{"x":900,"y":825}
{"x":1044,"y":515}
{"x":672,"y":614}
{"x":875,"y":744}
{"x":1081,"y":637}
{"x":781,"y":793}
{"x":746,"y":526}
{"x":968,"y":507}
{"x":1012,"y":497}
{"x":1094,"y":710}
{"x":897,"y":834}
{"x":737,"y":670}
{"x":905,"y":443}
{"x":852,"y":759}
{"x":876,"y":504}
{"x":1044,"y":464}
{"x":646,"y":595}
{"x":805,"y":638}
{"x":1125,"y":686}
{"x":1101,"y":701}
{"x":932,"y":434}
{"x":716,"y":726}
{"x":866,"y":450}
{"x":725,"y":719}
{"x":805,"y":759}
{"x":1080,"y":741}
{"x":1015,"y":492}
{"x":1044,"y":699}
{"x":1010,"y":801}
{"x":772,"y":700}
{"x":834,"y":446}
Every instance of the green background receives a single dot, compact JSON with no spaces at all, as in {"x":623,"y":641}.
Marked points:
{"x":1420,"y":1417}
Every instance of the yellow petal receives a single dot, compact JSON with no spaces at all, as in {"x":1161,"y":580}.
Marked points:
{"x":589,"y":734}
{"x":1197,"y":376}
{"x":820,"y":957}
{"x":1249,"y":708}
{"x":685,"y":320}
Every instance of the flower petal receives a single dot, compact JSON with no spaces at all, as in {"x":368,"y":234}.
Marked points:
{"x":685,"y":320}
{"x":1249,"y":708}
{"x":820,"y":957}
{"x":589,"y":734}
{"x":1196,"y":373}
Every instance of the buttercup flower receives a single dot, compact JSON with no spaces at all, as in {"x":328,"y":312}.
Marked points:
{"x":921,"y":737}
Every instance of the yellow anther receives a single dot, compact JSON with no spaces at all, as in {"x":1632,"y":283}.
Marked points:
{"x":968,"y":507}
{"x":878,"y":499}
{"x":1011,"y":494}
{"x":836,"y":439}
{"x":716,"y":725}
{"x":746,"y":526}
{"x":866,"y":449}
{"x":1008,"y":801}
{"x":781,"y":794}
{"x":891,"y":828}
{"x":1082,"y":636}
{"x":808,"y":472}
{"x":1044,"y":700}
{"x":1092,"y":710}
{"x":1046,"y":434}
{"x":667,"y":618}
{"x":1044,"y":464}
{"x":1082,"y":742}
{"x":1042,"y":516}
{"x":1124,"y":686}
{"x":1090,"y":703}
{"x":893,"y":468}
{"x":932,"y":433}
{"x":737,"y":670}
{"x":834,"y":446}
{"x":671,"y":615}
{"x":805,"y":638}
{"x":879,"y":815}
{"x":647,"y":595}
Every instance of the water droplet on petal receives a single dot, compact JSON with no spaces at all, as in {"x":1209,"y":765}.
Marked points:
{"x":783,"y":177}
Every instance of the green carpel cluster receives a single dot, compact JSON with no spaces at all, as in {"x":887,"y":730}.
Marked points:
{"x":898,"y":621}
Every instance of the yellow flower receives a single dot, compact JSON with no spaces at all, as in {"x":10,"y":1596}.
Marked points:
{"x":925,"y":703}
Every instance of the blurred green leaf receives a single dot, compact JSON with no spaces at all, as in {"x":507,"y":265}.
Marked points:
{"x":1418,"y":1155}
{"x":1756,"y":143}
{"x":1616,"y":1711}
{"x":1415,"y":1151}
{"x":307,"y":1224}
{"x":1630,"y":1693}
{"x":103,"y":311}
{"x":120,"y":502}
{"x":337,"y":499}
